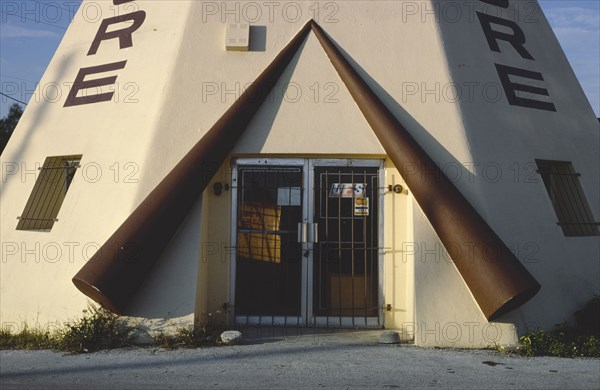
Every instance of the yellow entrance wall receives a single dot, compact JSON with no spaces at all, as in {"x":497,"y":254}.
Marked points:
{"x":429,"y":303}
{"x":213,"y":287}
{"x":212,"y":290}
{"x":398,"y":264}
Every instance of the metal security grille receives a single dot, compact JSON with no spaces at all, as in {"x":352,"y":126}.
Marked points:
{"x":346,"y":257}
{"x":306,"y":243}
{"x":268,"y":255}
{"x":568,"y":199}
{"x":48,"y":193}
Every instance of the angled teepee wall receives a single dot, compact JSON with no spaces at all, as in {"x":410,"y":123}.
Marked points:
{"x":498,"y":281}
{"x":114,"y":273}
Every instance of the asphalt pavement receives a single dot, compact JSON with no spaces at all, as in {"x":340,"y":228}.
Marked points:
{"x":350,"y":360}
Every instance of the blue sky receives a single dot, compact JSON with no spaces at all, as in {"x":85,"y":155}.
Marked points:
{"x":31,"y":30}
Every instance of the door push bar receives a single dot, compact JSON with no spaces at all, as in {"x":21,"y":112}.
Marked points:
{"x":308,"y":232}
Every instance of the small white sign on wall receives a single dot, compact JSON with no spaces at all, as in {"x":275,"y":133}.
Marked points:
{"x":237,"y":37}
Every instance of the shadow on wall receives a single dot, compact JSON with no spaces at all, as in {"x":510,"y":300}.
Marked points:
{"x":511,"y":134}
{"x":35,"y":124}
{"x":441,"y":155}
{"x":258,"y":38}
{"x":267,"y":113}
{"x":443,"y":159}
{"x":169,"y":291}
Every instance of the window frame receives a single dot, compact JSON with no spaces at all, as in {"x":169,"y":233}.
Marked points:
{"x":48,"y":193}
{"x":568,"y":199}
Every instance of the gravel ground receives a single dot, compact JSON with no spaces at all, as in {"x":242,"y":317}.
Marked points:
{"x":352,"y":360}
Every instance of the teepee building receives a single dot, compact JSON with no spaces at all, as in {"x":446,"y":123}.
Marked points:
{"x":429,"y":167}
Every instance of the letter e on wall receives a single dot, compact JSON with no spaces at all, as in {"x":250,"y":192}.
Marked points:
{"x":511,"y":88}
{"x":82,"y":84}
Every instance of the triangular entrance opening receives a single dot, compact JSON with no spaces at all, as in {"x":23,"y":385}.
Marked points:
{"x":309,"y":112}
{"x":498,"y":284}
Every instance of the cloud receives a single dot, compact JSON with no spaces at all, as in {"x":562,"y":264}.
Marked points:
{"x":578,"y":31}
{"x":576,"y":26}
{"x":12,"y":31}
{"x":577,"y":37}
{"x":569,"y":16}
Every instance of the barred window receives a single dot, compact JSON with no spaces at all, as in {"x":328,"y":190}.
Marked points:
{"x":569,"y":202}
{"x":48,"y":193}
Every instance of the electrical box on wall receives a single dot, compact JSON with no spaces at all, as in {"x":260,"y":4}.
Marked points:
{"x":237,"y":37}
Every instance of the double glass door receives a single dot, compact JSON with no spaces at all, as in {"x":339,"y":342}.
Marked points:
{"x":306,"y":235}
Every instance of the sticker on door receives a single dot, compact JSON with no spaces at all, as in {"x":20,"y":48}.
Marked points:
{"x":361,"y":207}
{"x":347,"y":190}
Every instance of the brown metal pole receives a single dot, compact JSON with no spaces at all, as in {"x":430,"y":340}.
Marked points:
{"x":496,"y":278}
{"x":114,"y":273}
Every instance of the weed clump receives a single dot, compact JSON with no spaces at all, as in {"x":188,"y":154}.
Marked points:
{"x":27,"y":339}
{"x":581,"y":340}
{"x":97,"y":330}
{"x":560,"y":342}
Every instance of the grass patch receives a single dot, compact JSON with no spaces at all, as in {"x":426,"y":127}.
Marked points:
{"x":27,"y":339}
{"x":561,"y":342}
{"x":99,"y":329}
{"x":581,"y":340}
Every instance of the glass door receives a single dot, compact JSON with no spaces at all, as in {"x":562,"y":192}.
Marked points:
{"x":269,"y":261}
{"x":306,"y":236}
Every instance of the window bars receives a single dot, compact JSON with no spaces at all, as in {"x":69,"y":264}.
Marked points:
{"x":48,"y":193}
{"x":568,"y":199}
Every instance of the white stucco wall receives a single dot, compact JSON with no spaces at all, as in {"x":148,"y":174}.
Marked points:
{"x":114,"y":139}
{"x":506,"y":139}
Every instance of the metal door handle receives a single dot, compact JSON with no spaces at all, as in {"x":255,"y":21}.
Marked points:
{"x":302,"y":232}
{"x":313,"y":232}
{"x":308,"y":232}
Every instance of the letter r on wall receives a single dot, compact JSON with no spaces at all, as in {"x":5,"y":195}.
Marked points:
{"x":124,"y":35}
